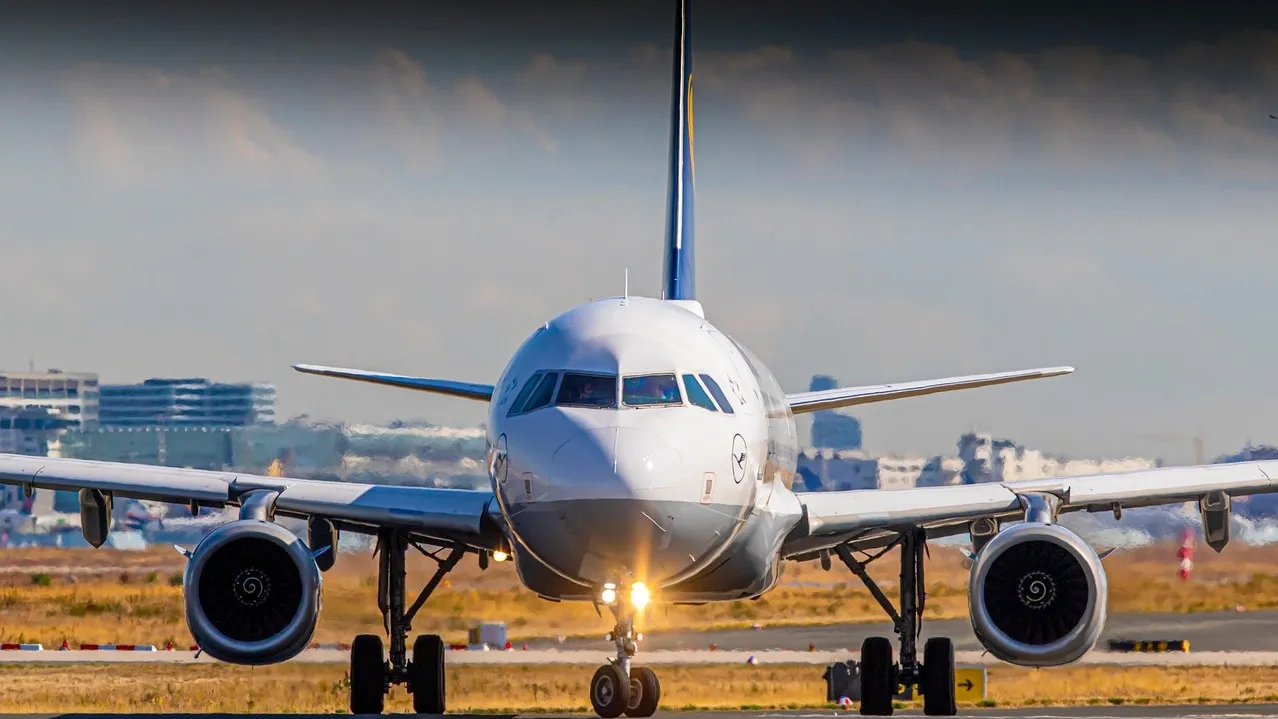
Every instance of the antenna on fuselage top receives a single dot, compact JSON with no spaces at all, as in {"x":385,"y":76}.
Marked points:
{"x":625,"y":289}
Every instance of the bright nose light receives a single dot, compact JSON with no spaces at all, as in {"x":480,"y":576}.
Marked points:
{"x":499,"y":556}
{"x":608,"y":595}
{"x":639,"y":595}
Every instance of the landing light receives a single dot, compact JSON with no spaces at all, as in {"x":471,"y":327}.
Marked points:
{"x":639,"y":595}
{"x":609,"y":594}
{"x":499,"y":556}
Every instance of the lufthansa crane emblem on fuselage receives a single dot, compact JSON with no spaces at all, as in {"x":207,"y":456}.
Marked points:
{"x":739,"y":458}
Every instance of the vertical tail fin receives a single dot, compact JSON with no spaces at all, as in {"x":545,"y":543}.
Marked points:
{"x":679,"y":275}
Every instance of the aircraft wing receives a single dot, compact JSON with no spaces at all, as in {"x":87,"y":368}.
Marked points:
{"x":465,"y":390}
{"x":847,"y":396}
{"x":448,"y":515}
{"x":833,"y":518}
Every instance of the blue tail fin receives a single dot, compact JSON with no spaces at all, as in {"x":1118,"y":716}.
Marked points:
{"x":679,"y":275}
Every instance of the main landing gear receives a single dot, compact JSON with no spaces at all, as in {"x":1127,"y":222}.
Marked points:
{"x":617,"y":687}
{"x":881,"y":679}
{"x":371,"y":674}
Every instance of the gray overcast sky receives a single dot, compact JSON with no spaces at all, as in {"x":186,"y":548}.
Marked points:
{"x":886,"y":192}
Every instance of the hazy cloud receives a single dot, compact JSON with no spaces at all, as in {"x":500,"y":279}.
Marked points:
{"x":139,"y":124}
{"x":411,"y":109}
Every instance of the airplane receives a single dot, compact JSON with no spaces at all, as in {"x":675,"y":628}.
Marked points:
{"x":638,"y":454}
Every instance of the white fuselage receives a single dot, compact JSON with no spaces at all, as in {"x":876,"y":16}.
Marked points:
{"x":630,"y":440}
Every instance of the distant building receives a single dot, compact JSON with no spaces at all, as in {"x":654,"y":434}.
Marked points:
{"x":981,"y":458}
{"x":986,"y":459}
{"x":826,"y":469}
{"x":1249,"y":454}
{"x":30,"y":430}
{"x":69,"y":395}
{"x":194,"y":447}
{"x":33,"y":431}
{"x":186,"y":403}
{"x":1257,"y":505}
{"x":830,"y":429}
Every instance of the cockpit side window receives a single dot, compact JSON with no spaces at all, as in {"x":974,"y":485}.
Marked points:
{"x":587,"y":390}
{"x":544,"y":393}
{"x":719,"y":396}
{"x":696,"y":394}
{"x":522,"y":397}
{"x":649,"y":390}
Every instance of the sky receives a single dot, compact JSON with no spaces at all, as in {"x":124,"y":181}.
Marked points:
{"x":886,"y":191}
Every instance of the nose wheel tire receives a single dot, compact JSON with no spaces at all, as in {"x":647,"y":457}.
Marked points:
{"x":609,"y":691}
{"x":645,"y":692}
{"x":938,"y":678}
{"x":878,"y":677}
{"x":368,"y":675}
{"x":426,"y":675}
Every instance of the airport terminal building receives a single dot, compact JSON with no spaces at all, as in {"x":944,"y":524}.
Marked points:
{"x":186,"y":403}
{"x":72,"y":396}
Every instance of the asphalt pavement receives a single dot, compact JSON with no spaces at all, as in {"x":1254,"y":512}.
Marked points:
{"x":1207,"y":631}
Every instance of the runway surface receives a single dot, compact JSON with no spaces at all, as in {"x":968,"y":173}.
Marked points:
{"x":1215,"y":638}
{"x":1207,"y":631}
{"x":594,"y":657}
{"x":1236,"y":711}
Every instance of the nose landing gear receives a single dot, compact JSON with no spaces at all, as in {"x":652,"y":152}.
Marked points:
{"x":617,"y":687}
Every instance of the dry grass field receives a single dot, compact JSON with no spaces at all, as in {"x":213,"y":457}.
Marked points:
{"x":323,"y":688}
{"x":47,"y":596}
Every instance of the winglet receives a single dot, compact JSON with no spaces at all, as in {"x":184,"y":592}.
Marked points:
{"x":465,"y":390}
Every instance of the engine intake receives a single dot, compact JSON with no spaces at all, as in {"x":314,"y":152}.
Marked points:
{"x":252,"y":593}
{"x":1037,"y":595}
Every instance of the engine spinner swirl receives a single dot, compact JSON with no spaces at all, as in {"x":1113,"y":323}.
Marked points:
{"x":1037,"y":590}
{"x":252,"y":587}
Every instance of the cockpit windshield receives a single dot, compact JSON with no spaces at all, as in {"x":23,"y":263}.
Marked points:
{"x":649,"y":390}
{"x":696,"y":394}
{"x":587,"y":390}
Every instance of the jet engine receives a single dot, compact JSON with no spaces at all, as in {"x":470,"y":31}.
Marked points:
{"x":252,"y":593}
{"x":1037,"y":595}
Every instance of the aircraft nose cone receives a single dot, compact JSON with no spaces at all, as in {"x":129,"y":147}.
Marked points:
{"x":615,"y":462}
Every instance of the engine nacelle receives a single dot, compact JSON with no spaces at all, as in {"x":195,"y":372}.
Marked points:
{"x":1037,"y":595}
{"x":252,"y":593}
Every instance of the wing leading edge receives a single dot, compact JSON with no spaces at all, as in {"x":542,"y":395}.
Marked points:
{"x":452,"y":515}
{"x":465,"y":390}
{"x":847,"y":396}
{"x":833,"y":518}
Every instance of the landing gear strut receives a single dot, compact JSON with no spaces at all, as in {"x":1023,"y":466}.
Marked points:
{"x":371,"y":674}
{"x":617,"y":687}
{"x":881,"y":679}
